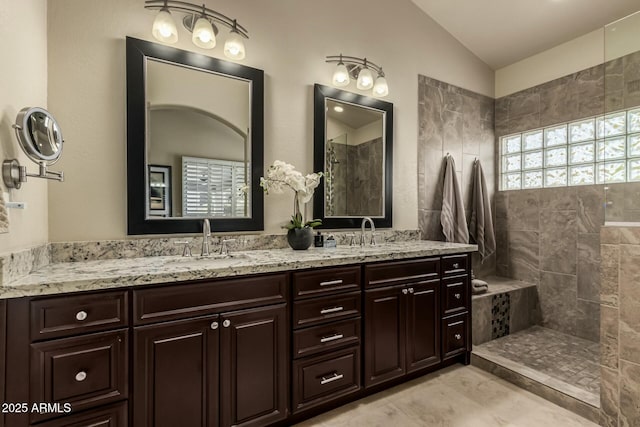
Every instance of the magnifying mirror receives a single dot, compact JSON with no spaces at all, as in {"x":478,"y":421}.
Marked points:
{"x":41,"y":140}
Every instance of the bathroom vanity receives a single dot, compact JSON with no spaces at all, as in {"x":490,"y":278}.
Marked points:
{"x":257,"y":338}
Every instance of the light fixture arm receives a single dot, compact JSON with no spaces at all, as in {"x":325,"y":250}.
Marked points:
{"x":355,"y":62}
{"x":196,"y":10}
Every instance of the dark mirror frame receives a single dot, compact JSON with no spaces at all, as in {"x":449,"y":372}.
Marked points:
{"x":137,"y":223}
{"x":321,"y":93}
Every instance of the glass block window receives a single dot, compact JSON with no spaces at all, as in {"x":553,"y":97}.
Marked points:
{"x":588,"y":151}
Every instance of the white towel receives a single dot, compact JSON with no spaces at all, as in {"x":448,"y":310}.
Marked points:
{"x":481,"y":223}
{"x":452,"y":217}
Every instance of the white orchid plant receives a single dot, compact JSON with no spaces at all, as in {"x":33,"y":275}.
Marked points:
{"x":281,"y":176}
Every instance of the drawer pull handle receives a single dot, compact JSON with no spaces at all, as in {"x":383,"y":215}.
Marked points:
{"x":458,"y":296}
{"x":81,"y":315}
{"x":81,"y":376}
{"x":226,"y":323}
{"x":335,"y":377}
{"x":331,"y":310}
{"x":456,"y":265}
{"x":458,"y":336}
{"x":214,"y":325}
{"x":331,"y":338}
{"x":331,"y":283}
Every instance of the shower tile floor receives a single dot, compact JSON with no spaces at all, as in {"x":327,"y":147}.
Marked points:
{"x":564,"y":362}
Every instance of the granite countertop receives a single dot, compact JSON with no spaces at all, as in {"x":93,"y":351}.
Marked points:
{"x":59,"y":278}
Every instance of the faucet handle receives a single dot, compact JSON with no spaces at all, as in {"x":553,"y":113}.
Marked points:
{"x":373,"y":238}
{"x":186,"y":251}
{"x":224,"y":246}
{"x":352,"y":239}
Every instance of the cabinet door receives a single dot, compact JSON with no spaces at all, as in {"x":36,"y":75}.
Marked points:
{"x":384,"y":335}
{"x":423,"y":312}
{"x":254,"y":365}
{"x":175,"y":378}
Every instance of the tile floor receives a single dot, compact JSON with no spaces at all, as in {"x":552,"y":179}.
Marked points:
{"x":458,"y":396}
{"x":563,"y":357}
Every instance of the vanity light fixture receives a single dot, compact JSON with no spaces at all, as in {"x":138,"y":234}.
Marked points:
{"x":361,"y":69}
{"x":202,"y":22}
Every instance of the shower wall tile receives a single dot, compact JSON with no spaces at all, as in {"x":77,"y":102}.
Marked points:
{"x":519,"y":310}
{"x":588,"y":267}
{"x":524,"y":259}
{"x":522,"y":123}
{"x":558,"y":241}
{"x":558,"y":199}
{"x":588,"y":320}
{"x":630,"y":303}
{"x":558,"y":301}
{"x":481,"y":325}
{"x":609,"y":397}
{"x":609,"y":267}
{"x":522,"y":210}
{"x":609,"y":319}
{"x":590,"y":208}
{"x":629,"y":394}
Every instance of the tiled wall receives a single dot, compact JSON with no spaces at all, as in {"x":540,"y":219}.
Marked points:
{"x":459,"y":122}
{"x":550,"y":237}
{"x":620,"y":327}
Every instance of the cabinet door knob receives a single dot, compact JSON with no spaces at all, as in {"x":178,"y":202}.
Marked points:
{"x":81,"y":376}
{"x":226,"y":323}
{"x":410,"y":290}
{"x":458,"y":296}
{"x":458,"y":336}
{"x":456,"y":265}
{"x":81,"y":315}
{"x":404,"y":291}
{"x":214,"y":325}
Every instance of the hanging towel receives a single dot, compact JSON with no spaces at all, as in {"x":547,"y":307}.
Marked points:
{"x":452,"y":217}
{"x":480,"y":223}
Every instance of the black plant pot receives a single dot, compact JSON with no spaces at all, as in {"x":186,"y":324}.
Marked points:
{"x":300,"y":238}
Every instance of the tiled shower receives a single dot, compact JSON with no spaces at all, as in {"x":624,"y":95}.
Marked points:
{"x":550,"y":238}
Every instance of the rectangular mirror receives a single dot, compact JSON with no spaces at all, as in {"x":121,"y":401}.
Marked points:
{"x":195,"y":140}
{"x":353,"y":139}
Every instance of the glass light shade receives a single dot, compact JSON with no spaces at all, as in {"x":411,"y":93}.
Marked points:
{"x":341,"y":76}
{"x":164,"y":28}
{"x":365,"y":79}
{"x":380,"y":88}
{"x":234,"y":46}
{"x":203,"y":34}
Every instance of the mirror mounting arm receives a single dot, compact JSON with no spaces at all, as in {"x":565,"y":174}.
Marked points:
{"x":14,"y":175}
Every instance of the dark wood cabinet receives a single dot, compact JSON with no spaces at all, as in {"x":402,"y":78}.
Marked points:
{"x":3,"y":349}
{"x":109,"y":416}
{"x":175,"y":373}
{"x":401,"y":330}
{"x":254,"y":366}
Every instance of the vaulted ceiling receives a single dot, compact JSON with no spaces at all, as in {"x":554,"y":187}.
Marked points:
{"x":501,"y":32}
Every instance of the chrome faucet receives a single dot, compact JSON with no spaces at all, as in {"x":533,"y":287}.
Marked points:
{"x":373,"y":231}
{"x":206,"y":233}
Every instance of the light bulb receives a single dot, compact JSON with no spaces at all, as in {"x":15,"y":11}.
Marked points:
{"x":365,"y":79}
{"x":164,"y":28}
{"x":380,"y":88}
{"x":234,"y":46}
{"x":341,"y":76}
{"x":203,"y":34}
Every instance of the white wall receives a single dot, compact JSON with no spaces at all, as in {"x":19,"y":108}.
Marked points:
{"x":23,"y":83}
{"x":570,"y":57}
{"x":289,"y":41}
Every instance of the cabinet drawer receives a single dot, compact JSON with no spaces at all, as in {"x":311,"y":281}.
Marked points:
{"x":321,"y":379}
{"x":86,"y":371}
{"x":455,"y":292}
{"x":455,"y":336}
{"x":325,"y":281}
{"x":325,"y":337}
{"x":110,"y":416}
{"x":454,"y":264}
{"x":199,"y":299}
{"x":72,"y":315}
{"x":401,"y":272}
{"x":321,"y":310}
